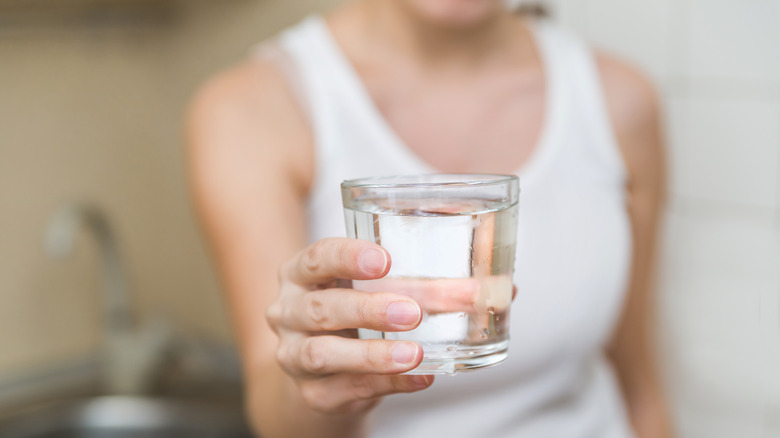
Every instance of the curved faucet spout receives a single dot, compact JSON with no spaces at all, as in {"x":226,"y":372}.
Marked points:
{"x":59,"y":242}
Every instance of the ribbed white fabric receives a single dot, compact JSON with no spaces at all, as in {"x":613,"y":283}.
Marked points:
{"x":573,"y":249}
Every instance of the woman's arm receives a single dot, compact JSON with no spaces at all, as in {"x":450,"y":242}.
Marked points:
{"x":248,"y":169}
{"x":634,"y":110}
{"x":251,"y":163}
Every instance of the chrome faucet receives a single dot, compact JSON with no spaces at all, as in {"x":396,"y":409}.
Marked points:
{"x":132,"y":352}
{"x":60,"y":240}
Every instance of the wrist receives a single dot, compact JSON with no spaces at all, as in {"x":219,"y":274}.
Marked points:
{"x":276,"y":409}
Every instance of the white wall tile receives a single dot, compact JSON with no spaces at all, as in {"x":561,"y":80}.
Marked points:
{"x":638,"y":30}
{"x":570,"y":13}
{"x":706,"y":424}
{"x":719,"y":319}
{"x":725,"y":150}
{"x":772,"y":422}
{"x":735,"y":39}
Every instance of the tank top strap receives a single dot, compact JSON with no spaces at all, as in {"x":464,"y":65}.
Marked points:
{"x":338,"y":95}
{"x":297,"y":54}
{"x":274,"y":54}
{"x":573,"y":63}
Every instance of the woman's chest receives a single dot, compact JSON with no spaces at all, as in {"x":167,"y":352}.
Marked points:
{"x":473,"y":126}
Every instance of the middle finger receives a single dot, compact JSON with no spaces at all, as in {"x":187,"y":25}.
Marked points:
{"x":338,"y":309}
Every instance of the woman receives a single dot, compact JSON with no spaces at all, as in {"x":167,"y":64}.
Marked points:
{"x":414,"y":86}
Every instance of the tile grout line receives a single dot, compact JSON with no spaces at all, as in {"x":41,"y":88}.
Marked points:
{"x":724,"y":89}
{"x":777,"y":173}
{"x":777,"y":244}
{"x":678,"y":55}
{"x":687,"y":205}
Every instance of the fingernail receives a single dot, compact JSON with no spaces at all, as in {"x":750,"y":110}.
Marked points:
{"x":404,"y":353}
{"x":372,"y":261}
{"x":421,"y":381}
{"x":403,"y":313}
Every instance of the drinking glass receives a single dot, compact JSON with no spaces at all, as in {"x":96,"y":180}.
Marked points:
{"x":451,"y":240}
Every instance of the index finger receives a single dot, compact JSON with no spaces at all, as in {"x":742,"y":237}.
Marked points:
{"x":334,"y":258}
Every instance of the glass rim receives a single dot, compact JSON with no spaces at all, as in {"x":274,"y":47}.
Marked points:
{"x":448,"y":180}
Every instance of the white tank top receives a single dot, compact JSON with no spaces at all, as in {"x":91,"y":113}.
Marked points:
{"x":573,"y":247}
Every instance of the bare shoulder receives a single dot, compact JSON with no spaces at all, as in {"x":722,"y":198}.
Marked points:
{"x":635,"y":112}
{"x":631,"y":96}
{"x":240,"y":93}
{"x":248,"y":112}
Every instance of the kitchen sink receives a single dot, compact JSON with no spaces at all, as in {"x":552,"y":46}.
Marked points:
{"x":191,"y":386}
{"x":127,"y":417}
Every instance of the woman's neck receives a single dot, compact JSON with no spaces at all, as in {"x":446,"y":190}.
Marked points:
{"x":437,"y":46}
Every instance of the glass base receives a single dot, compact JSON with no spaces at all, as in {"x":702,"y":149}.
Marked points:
{"x":487,"y":356}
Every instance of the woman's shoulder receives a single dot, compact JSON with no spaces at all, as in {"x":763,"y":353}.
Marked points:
{"x":250,"y":85}
{"x":635,"y":111}
{"x":630,"y":94}
{"x":254,"y":86}
{"x":250,"y":110}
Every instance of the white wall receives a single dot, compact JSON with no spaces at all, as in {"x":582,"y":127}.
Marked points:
{"x":717,"y":64}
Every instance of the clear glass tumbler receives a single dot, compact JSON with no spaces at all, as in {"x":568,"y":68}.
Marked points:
{"x":451,"y":239}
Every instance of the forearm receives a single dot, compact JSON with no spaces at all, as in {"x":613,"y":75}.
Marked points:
{"x":649,"y":416}
{"x":277,"y":410}
{"x":637,"y":371}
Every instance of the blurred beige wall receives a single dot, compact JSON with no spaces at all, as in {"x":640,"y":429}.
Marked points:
{"x":92,"y":112}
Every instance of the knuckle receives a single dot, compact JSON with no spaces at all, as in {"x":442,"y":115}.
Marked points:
{"x":354,"y":313}
{"x":344,"y":256}
{"x":311,"y":261}
{"x":314,"y":356}
{"x":274,"y":314}
{"x":375,"y":355}
{"x":362,"y":387}
{"x":287,"y":313}
{"x":283,"y":356}
{"x":311,"y":395}
{"x":317,"y":397}
{"x":363,"y":316}
{"x":357,"y":406}
{"x":317,"y":311}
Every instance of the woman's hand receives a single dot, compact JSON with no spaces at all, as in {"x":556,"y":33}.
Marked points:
{"x":337,"y":374}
